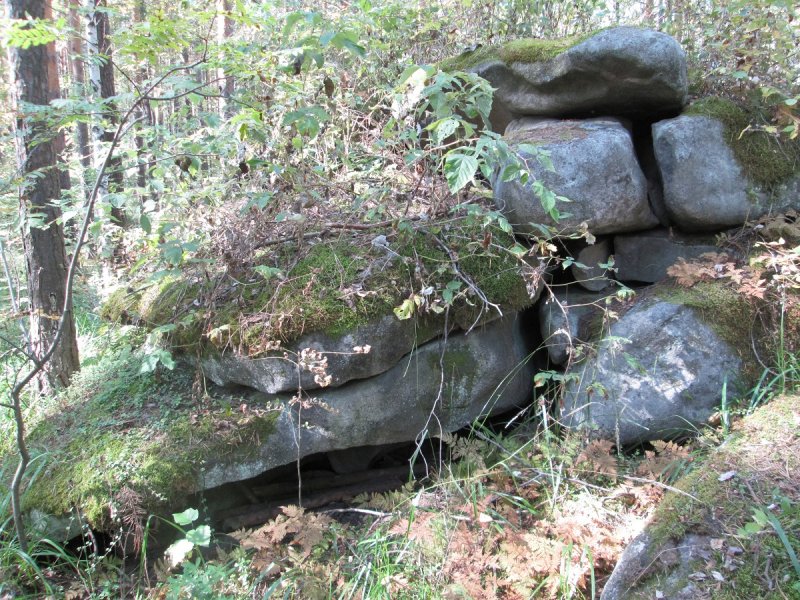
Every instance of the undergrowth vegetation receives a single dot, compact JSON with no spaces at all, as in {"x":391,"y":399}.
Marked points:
{"x":342,"y":180}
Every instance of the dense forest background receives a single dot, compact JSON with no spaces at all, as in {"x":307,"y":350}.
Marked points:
{"x":140,"y":138}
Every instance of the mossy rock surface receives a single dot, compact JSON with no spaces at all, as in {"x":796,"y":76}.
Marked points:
{"x":330,"y":287}
{"x":757,"y":469}
{"x":527,"y":51}
{"x":730,"y":314}
{"x":767,"y":159}
{"x":117,"y":431}
{"x":620,"y":71}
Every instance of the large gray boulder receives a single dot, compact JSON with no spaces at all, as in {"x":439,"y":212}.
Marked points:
{"x":485,"y":371}
{"x":705,"y":187}
{"x":389,"y":338}
{"x":658,"y":374}
{"x":623,"y":71}
{"x":595,"y":167}
{"x":646,"y":256}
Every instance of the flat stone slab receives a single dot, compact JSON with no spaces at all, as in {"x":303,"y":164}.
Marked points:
{"x":486,"y":371}
{"x":388,"y":338}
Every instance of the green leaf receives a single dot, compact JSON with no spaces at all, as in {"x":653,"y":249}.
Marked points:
{"x":459,"y":170}
{"x":307,"y":120}
{"x":144,"y":223}
{"x":443,"y":129}
{"x":510,"y":173}
{"x":413,"y":75}
{"x":173,"y":253}
{"x":405,"y":310}
{"x":347,"y":41}
{"x":186,"y":517}
{"x":149,"y":363}
{"x":317,"y":57}
{"x":292,"y":19}
{"x":200,"y":536}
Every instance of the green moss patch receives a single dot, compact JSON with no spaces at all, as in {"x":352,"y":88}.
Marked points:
{"x":765,"y":158}
{"x":330,"y":286}
{"x":762,"y":460}
{"x":516,"y":51}
{"x":115,"y":429}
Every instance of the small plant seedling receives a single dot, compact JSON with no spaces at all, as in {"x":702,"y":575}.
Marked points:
{"x":180,"y":549}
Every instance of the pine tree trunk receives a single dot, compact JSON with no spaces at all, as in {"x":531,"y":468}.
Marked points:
{"x":32,"y":71}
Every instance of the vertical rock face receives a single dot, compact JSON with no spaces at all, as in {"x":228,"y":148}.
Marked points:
{"x":565,"y":321}
{"x":594,"y":167}
{"x":704,"y":186}
{"x":587,"y":270}
{"x":623,"y":71}
{"x":658,"y":374}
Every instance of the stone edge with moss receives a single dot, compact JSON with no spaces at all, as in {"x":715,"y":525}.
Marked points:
{"x":528,"y":51}
{"x":704,"y":505}
{"x":767,"y":160}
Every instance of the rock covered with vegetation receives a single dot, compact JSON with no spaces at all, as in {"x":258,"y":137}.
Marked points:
{"x":311,"y":277}
{"x":731,"y":522}
{"x":625,"y":71}
{"x":718,"y":170}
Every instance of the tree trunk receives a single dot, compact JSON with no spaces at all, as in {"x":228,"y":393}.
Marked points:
{"x":79,"y":82}
{"x":224,"y":31}
{"x":31,"y":71}
{"x":101,"y":79}
{"x":139,"y":16}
